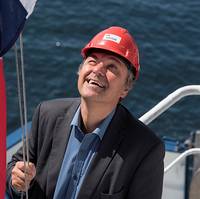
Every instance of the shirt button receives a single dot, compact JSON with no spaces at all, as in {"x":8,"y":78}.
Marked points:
{"x":75,"y":177}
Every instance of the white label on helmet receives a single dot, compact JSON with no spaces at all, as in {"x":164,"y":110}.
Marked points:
{"x":112,"y":37}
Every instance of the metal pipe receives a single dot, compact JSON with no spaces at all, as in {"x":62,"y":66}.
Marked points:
{"x":183,"y":155}
{"x":169,"y":101}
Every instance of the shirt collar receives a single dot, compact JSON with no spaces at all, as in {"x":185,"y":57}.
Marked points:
{"x":100,"y":130}
{"x":76,"y":119}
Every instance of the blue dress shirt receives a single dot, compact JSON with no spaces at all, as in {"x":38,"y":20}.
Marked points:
{"x":78,"y":156}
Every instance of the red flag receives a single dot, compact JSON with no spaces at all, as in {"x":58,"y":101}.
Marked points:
{"x":2,"y":131}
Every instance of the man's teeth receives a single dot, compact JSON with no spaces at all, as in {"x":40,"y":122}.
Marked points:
{"x":95,"y":83}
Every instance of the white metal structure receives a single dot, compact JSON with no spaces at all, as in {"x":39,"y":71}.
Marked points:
{"x":174,"y":181}
{"x":169,"y":101}
{"x":181,"y":157}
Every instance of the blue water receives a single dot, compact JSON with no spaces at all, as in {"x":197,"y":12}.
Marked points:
{"x":168,"y":36}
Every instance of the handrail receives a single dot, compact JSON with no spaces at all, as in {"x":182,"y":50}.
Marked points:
{"x":166,"y":103}
{"x":169,"y":101}
{"x":183,"y":155}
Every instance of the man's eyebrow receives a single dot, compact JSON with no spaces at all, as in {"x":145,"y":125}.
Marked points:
{"x":115,"y":59}
{"x":110,"y":57}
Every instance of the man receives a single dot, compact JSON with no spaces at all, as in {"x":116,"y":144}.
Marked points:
{"x":93,"y":147}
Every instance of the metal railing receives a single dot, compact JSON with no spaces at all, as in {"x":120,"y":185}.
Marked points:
{"x":163,"y":106}
{"x":189,"y":152}
{"x":169,"y":101}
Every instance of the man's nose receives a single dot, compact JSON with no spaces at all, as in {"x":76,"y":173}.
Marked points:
{"x":100,"y":68}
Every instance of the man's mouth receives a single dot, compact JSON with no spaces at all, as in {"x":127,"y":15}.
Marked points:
{"x":96,"y":83}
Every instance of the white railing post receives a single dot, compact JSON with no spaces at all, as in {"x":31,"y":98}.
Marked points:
{"x":183,"y":155}
{"x":169,"y":101}
{"x":163,"y":106}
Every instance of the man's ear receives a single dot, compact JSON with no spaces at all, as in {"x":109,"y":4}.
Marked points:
{"x":79,"y":68}
{"x":125,"y":92}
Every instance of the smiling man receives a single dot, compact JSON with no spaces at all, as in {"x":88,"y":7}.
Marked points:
{"x":92,"y":147}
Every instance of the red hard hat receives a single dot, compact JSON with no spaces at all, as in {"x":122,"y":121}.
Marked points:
{"x":117,"y":40}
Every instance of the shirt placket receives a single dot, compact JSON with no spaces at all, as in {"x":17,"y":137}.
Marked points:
{"x":87,"y":144}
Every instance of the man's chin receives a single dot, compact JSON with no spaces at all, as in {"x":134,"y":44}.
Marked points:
{"x":93,"y":98}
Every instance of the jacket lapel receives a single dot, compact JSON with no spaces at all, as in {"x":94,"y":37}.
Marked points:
{"x":109,"y":146}
{"x":60,"y":139}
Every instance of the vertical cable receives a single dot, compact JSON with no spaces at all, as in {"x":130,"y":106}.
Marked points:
{"x":23,"y":108}
{"x":20,"y":104}
{"x":24,"y":96}
{"x":25,"y":111}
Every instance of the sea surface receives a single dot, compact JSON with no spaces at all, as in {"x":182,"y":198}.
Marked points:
{"x":168,"y":36}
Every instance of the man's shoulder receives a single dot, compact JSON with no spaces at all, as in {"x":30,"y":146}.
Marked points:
{"x":61,"y":102}
{"x":58,"y":107}
{"x":137,"y":129}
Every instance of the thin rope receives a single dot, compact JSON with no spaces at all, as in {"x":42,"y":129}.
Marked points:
{"x":24,"y":96}
{"x":20,"y":100}
{"x":23,"y":109}
{"x":20,"y":105}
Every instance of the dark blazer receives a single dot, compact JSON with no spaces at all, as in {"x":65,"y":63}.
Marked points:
{"x":128,"y":164}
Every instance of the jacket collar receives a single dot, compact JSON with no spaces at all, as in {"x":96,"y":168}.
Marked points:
{"x":61,"y":134}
